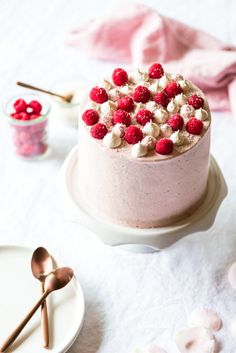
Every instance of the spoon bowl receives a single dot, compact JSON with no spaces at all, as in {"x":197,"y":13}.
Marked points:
{"x":41,"y":263}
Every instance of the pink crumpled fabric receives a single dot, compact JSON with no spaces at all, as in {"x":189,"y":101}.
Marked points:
{"x":139,"y":35}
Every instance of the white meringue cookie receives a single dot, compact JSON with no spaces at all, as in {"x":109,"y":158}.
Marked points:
{"x":183,"y":84}
{"x":201,"y":114}
{"x":163,"y":81}
{"x":151,"y":105}
{"x":187,"y":111}
{"x":139,"y":150}
{"x":165,"y":130}
{"x":107,"y":84}
{"x":177,"y":77}
{"x":153,"y":88}
{"x":205,"y":318}
{"x":119,"y":129}
{"x":92,"y":105}
{"x":177,"y":138}
{"x":195,"y":340}
{"x":180,"y":99}
{"x":111,"y":140}
{"x":172,"y":107}
{"x":151,"y":129}
{"x":108,"y":108}
{"x":139,"y":75}
{"x":114,"y":94}
{"x":126,"y":89}
{"x":149,"y":141}
{"x":160,"y":115}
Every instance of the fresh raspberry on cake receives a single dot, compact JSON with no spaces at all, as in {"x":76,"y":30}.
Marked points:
{"x":126,"y":103}
{"x":133,"y":134}
{"x":176,"y":122}
{"x":144,"y":116}
{"x":90,"y":117}
{"x":172,"y":89}
{"x":194,"y":126}
{"x":196,"y":101}
{"x":98,"y":131}
{"x":98,"y":95}
{"x":164,"y":146}
{"x":120,"y":77}
{"x":156,"y":71}
{"x":34,"y":116}
{"x":141,"y":94}
{"x":35,"y":106}
{"x":20,"y":105}
{"x":121,"y":117}
{"x":161,"y":98}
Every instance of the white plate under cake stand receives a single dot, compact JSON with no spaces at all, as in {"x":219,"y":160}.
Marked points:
{"x":20,"y":291}
{"x":136,"y":239}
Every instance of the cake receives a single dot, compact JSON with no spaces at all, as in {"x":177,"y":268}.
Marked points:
{"x":144,"y":141}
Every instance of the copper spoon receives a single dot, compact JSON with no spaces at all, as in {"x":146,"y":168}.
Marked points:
{"x":67,"y":98}
{"x":41,"y":265}
{"x":57,"y":279}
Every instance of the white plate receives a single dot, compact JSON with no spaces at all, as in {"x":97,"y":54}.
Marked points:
{"x":157,"y":238}
{"x":20,"y":291}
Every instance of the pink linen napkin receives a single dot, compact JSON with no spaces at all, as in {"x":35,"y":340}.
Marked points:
{"x":139,"y":35}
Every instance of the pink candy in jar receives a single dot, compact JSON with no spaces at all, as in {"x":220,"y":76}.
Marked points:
{"x":28,"y":116}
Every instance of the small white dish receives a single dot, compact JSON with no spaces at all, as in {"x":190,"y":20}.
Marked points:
{"x":136,"y":239}
{"x":20,"y":291}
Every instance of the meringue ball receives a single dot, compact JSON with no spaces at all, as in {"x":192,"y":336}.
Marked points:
{"x":160,"y":116}
{"x":149,"y":141}
{"x":151,"y":129}
{"x":165,"y":130}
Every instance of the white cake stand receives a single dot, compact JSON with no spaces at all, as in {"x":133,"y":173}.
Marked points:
{"x":136,"y":239}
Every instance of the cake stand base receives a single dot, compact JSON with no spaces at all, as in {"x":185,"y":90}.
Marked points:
{"x":136,"y":239}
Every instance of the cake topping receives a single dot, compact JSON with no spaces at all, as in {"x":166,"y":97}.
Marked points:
{"x":133,"y":134}
{"x":98,"y":95}
{"x":164,"y":146}
{"x":172,"y":89}
{"x":196,"y":101}
{"x":151,"y":129}
{"x":122,"y":117}
{"x":108,"y":108}
{"x":165,"y":130}
{"x":180,"y":99}
{"x":90,"y":117}
{"x":201,"y":114}
{"x":153,"y":88}
{"x":141,"y":94}
{"x":196,"y":340}
{"x":177,"y":138}
{"x":161,"y":98}
{"x":139,"y":150}
{"x":112,"y":140}
{"x":139,"y":75}
{"x":194,"y":126}
{"x":172,"y":107}
{"x":98,"y":131}
{"x":35,"y":106}
{"x":119,"y":77}
{"x":114,"y":94}
{"x":156,"y":71}
{"x":151,"y":105}
{"x":144,"y":116}
{"x":176,"y":122}
{"x":119,"y":129}
{"x":160,"y":115}
{"x":205,"y":318}
{"x":126,"y":103}
{"x":163,"y":82}
{"x":187,"y":111}
{"x":149,"y":141}
{"x":20,"y":106}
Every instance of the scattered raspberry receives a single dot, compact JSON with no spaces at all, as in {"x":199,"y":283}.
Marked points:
{"x":98,"y":95}
{"x":20,"y":105}
{"x":98,"y":131}
{"x":121,"y":117}
{"x":126,"y":103}
{"x":90,"y":117}
{"x":35,"y":106}
{"x":164,"y":146}
{"x":172,"y":89}
{"x":194,"y":126}
{"x":176,"y":122}
{"x":141,"y":94}
{"x":34,"y":116}
{"x":133,"y":134}
{"x":161,"y":98}
{"x":119,"y":77}
{"x":156,"y":71}
{"x":144,"y":116}
{"x":196,"y":101}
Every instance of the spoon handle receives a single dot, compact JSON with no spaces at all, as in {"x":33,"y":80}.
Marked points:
{"x":26,"y":85}
{"x":23,"y":323}
{"x":44,"y":322}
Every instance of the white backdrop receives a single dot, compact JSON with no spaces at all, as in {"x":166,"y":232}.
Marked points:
{"x":132,"y":299}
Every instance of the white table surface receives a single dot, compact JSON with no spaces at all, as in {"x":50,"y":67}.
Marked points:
{"x":132,"y":299}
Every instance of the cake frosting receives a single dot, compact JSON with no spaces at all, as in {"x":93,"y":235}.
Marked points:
{"x":144,"y":141}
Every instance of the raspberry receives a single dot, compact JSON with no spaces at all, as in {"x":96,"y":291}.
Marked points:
{"x":98,"y":95}
{"x":156,"y":71}
{"x":144,"y":116}
{"x":196,"y":101}
{"x":34,"y":116}
{"x":133,"y":134}
{"x":176,"y":122}
{"x":161,"y":98}
{"x":164,"y":146}
{"x":141,"y":94}
{"x":126,"y":103}
{"x":20,"y":105}
{"x":121,"y":117}
{"x":119,"y":77}
{"x":98,"y":131}
{"x":194,"y":126}
{"x":21,"y":116}
{"x":90,"y":117}
{"x":35,"y":106}
{"x":172,"y":89}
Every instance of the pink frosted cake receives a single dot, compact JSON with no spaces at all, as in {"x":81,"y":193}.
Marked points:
{"x":144,"y":141}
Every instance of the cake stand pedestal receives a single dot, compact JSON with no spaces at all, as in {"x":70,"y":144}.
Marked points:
{"x":136,"y":239}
